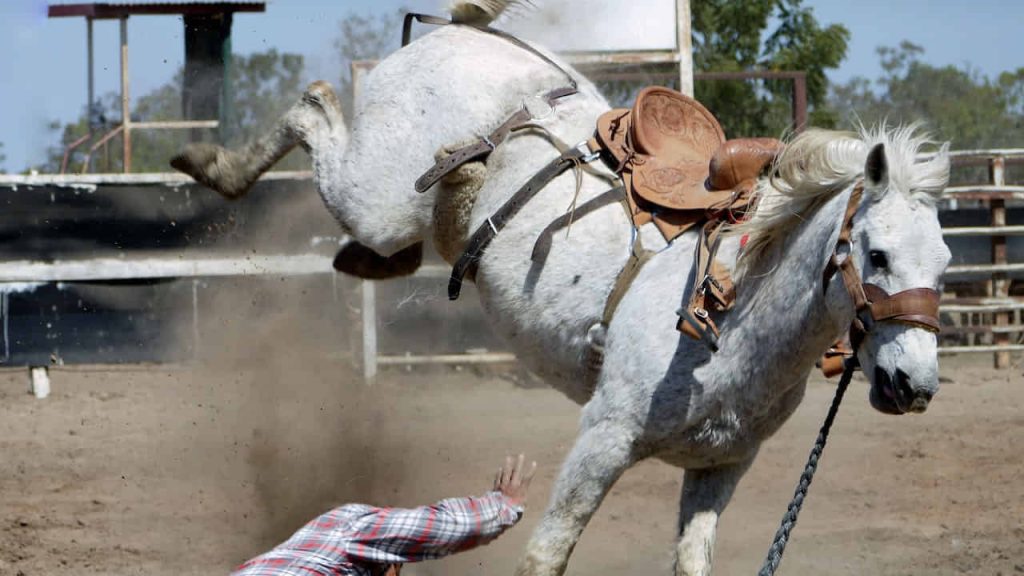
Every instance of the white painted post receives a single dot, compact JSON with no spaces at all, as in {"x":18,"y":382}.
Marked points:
{"x":195,"y":319}
{"x":126,"y":116}
{"x":357,"y":80}
{"x":684,"y":46}
{"x":90,"y":77}
{"x":5,"y":312}
{"x":369,"y":293}
{"x":369,"y":310}
{"x":40,"y":377}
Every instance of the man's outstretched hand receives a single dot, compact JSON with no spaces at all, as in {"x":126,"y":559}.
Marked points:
{"x":513,"y":480}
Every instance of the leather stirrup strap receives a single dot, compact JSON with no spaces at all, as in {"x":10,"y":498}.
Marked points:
{"x":695,"y":317}
{"x":638,"y":256}
{"x":489,"y":229}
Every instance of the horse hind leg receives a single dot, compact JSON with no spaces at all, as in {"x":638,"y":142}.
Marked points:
{"x":316,"y":115}
{"x":360,"y":261}
{"x":232,"y":172}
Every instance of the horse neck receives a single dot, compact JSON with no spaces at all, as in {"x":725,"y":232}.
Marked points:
{"x":783,"y":320}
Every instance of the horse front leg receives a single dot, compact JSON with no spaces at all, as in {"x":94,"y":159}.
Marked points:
{"x":706,"y":492}
{"x":597,"y":460}
{"x":232,"y":172}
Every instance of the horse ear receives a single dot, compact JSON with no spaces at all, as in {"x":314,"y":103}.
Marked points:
{"x":876,"y":169}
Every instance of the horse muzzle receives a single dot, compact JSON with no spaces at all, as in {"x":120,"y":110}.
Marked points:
{"x":895,"y":393}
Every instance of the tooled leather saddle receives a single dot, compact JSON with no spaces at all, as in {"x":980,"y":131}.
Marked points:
{"x":675,"y":163}
{"x":678,"y":171}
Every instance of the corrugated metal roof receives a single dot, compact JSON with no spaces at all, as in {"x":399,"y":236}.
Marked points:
{"x":117,"y":9}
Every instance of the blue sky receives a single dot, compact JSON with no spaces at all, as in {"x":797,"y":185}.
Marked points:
{"x":42,"y":61}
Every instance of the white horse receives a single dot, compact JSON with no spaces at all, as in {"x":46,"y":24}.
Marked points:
{"x":658,"y":394}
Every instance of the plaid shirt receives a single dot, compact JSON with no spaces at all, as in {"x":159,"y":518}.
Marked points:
{"x":359,"y":539}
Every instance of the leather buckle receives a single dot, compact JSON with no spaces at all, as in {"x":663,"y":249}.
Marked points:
{"x":867,"y":320}
{"x":585,"y":154}
{"x":702,"y":288}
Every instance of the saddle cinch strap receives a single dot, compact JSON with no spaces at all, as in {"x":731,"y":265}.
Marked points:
{"x":713,"y":290}
{"x":482,"y":237}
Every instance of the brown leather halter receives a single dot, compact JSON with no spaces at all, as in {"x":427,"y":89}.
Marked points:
{"x":918,"y":307}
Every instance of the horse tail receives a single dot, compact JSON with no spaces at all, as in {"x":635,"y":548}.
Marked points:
{"x":481,"y":12}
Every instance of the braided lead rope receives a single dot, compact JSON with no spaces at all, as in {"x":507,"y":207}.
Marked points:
{"x":771,"y":562}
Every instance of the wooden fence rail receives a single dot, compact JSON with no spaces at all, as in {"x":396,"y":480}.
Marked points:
{"x":991,"y":324}
{"x":994,"y":324}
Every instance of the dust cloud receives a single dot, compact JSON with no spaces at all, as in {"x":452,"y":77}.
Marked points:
{"x":280,"y":352}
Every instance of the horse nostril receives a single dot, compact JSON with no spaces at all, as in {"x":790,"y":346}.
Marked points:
{"x":903,"y":383}
{"x":919,"y":399}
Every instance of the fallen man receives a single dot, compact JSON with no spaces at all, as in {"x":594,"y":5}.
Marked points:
{"x":368,"y":541}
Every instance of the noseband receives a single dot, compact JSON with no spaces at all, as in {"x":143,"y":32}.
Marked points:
{"x":918,"y":307}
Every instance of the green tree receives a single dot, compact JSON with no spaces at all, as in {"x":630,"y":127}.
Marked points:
{"x":753,"y":35}
{"x":779,"y":35}
{"x":362,"y":38}
{"x":264,"y":85}
{"x":957,"y":104}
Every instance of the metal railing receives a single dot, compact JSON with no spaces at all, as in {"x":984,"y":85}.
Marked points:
{"x":125,"y":127}
{"x":993,"y":323}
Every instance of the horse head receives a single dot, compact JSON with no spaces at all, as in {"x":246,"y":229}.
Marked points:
{"x":896,"y":244}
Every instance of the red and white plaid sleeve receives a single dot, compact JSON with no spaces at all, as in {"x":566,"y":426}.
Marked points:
{"x":347,"y":539}
{"x":395,"y":536}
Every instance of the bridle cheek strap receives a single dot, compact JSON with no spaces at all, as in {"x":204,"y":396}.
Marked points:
{"x":918,"y":307}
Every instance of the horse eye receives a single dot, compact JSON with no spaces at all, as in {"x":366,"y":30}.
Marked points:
{"x":878,"y":259}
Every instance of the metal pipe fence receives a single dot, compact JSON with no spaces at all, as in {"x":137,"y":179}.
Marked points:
{"x":994,"y":323}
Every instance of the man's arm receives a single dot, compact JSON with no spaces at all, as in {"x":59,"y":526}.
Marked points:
{"x":452,"y":525}
{"x":396,"y":535}
{"x":358,"y":534}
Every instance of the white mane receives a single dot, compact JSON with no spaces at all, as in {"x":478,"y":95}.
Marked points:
{"x":818,"y":164}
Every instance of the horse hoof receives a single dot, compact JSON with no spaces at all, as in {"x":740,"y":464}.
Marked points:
{"x":214,"y":167}
{"x":322,"y":95}
{"x":357,"y":260}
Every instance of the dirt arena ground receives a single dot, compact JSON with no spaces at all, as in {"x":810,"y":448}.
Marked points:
{"x":192,"y":470}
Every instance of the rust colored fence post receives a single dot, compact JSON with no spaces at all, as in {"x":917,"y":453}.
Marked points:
{"x":799,"y":101}
{"x":1000,"y":285}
